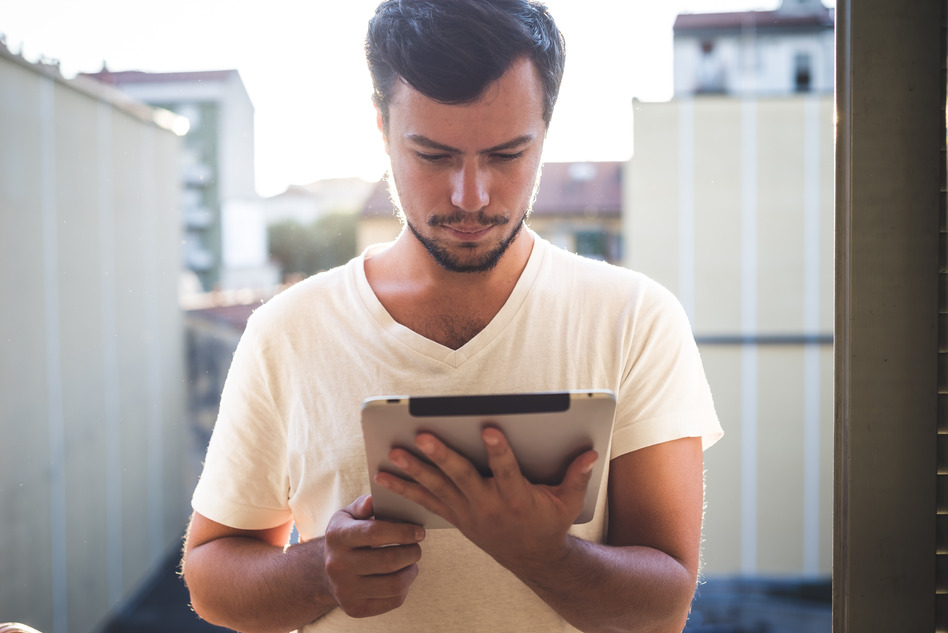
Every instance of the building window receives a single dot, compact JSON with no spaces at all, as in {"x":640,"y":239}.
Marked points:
{"x":192,"y":113}
{"x":598,"y":244}
{"x":802,"y":76}
{"x":710,"y":77}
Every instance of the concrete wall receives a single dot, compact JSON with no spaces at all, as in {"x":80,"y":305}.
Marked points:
{"x":93,"y":489}
{"x":731,"y":207}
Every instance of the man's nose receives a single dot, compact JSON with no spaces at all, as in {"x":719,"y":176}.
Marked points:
{"x":469,"y":189}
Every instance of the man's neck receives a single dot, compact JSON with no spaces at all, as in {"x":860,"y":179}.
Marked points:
{"x":447,"y":307}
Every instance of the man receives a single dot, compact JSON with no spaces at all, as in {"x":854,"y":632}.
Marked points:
{"x":466,"y":300}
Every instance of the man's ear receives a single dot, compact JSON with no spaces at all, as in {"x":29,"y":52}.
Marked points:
{"x":380,"y":123}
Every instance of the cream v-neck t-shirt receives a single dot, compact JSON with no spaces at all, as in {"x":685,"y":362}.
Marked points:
{"x":287,"y":443}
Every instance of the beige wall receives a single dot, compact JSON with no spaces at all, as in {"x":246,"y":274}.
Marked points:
{"x":93,"y":488}
{"x":377,"y":230}
{"x":731,"y":206}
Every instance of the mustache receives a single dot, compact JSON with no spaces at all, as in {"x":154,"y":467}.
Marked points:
{"x":462,"y":217}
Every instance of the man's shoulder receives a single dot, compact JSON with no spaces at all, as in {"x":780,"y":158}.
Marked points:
{"x":590,"y":281}
{"x":593,"y":271}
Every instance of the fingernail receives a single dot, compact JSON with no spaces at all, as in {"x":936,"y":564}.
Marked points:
{"x":419,"y":534}
{"x":425,"y":444}
{"x":588,"y":467}
{"x":491,"y":440}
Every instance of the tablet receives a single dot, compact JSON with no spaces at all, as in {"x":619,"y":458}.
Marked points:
{"x":546,"y":432}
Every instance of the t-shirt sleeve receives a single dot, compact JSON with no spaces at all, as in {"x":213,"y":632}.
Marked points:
{"x":244,"y":483}
{"x":664,"y":394}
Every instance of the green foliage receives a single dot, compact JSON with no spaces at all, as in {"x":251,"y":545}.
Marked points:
{"x":308,"y":249}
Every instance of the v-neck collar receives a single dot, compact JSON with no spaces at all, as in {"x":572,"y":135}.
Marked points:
{"x":436,"y":351}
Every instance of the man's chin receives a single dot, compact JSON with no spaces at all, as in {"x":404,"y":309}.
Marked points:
{"x":466,"y":259}
{"x":467,"y":263}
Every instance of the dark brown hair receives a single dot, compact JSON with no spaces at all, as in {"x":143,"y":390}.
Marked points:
{"x":451,"y":50}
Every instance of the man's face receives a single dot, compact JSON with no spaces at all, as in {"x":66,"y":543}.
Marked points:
{"x":466,"y":174}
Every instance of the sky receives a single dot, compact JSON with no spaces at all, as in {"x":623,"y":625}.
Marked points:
{"x":304,"y":69}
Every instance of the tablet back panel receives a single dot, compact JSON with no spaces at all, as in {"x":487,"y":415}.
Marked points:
{"x":546,"y":432}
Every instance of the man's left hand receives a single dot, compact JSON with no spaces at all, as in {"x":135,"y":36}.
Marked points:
{"x":508,"y":517}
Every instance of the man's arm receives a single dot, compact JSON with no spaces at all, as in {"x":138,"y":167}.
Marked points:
{"x":250,"y":581}
{"x":643,"y":580}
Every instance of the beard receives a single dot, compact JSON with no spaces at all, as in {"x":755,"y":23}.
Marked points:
{"x":468,"y":260}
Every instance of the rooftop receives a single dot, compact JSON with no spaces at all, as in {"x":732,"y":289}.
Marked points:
{"x":121,"y":77}
{"x":760,"y":20}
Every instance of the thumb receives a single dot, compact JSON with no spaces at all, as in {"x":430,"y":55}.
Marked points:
{"x":361,"y":508}
{"x":578,"y":474}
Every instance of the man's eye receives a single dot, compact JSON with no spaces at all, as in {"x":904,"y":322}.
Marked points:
{"x":508,"y":157}
{"x":431,"y":158}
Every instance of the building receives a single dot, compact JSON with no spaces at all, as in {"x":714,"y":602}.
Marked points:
{"x":578,"y":206}
{"x":94,"y":475}
{"x":378,"y":220}
{"x":788,"y":50}
{"x":305,"y":204}
{"x":224,"y":226}
{"x":730,"y":205}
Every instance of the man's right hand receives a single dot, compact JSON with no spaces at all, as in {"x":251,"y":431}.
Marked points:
{"x":370,"y":564}
{"x":249,"y":580}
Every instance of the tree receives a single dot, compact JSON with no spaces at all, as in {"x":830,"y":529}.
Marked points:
{"x":308,"y":249}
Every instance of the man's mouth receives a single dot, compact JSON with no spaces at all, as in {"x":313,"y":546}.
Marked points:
{"x":470,"y":229}
{"x":469,"y":232}
{"x":465,"y":223}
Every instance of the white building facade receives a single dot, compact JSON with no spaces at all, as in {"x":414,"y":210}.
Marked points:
{"x":788,"y":50}
{"x":225,"y":240}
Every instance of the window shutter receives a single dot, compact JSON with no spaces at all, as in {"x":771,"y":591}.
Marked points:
{"x":941,"y":559}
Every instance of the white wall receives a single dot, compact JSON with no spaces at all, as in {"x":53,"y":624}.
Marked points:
{"x":93,"y":485}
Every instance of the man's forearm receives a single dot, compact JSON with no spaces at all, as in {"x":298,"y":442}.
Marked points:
{"x":252,"y":586}
{"x":604,"y":588}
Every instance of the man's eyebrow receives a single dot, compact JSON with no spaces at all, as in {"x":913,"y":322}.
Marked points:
{"x":424,"y":141}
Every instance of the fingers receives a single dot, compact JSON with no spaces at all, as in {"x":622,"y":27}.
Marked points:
{"x":461,"y":474}
{"x":503,"y":463}
{"x":447,"y":485}
{"x":448,"y":476}
{"x":348,"y":566}
{"x":430,"y":486}
{"x":369,"y":564}
{"x":361,"y":508}
{"x":459,"y":469}
{"x":351,"y":528}
{"x":374,"y":595}
{"x":510,"y":482}
{"x":451,"y":478}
